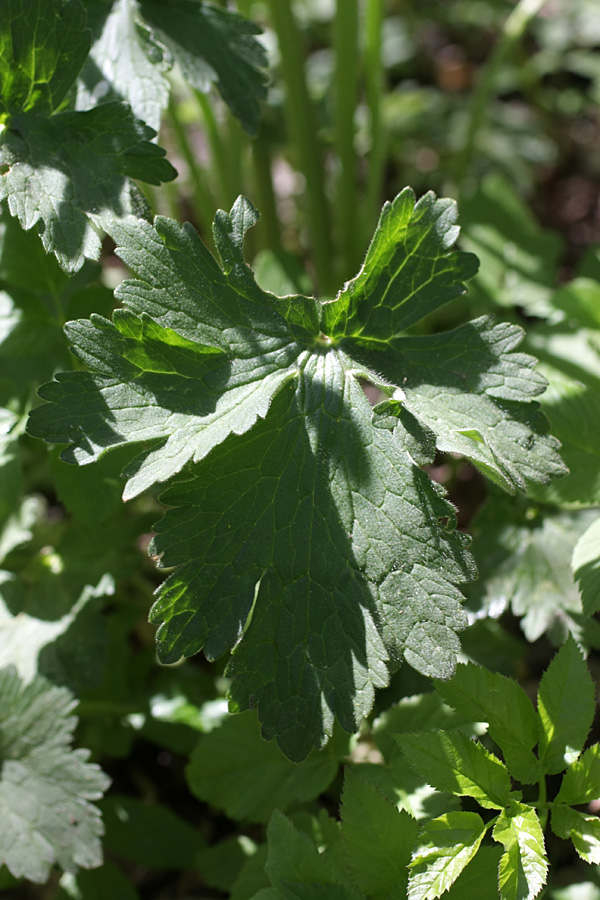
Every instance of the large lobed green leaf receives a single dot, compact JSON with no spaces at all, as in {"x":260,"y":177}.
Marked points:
{"x":304,"y":538}
{"x":62,"y":168}
{"x":135,"y":42}
{"x":45,"y":787}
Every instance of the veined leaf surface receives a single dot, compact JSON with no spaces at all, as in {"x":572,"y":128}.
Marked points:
{"x":306,"y":538}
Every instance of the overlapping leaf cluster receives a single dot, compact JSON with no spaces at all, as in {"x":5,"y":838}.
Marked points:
{"x":305,"y":536}
{"x":379,"y":851}
{"x":70,"y":145}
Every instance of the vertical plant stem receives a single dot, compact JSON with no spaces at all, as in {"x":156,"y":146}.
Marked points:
{"x":345,"y":41}
{"x":218,"y":152}
{"x":514,"y":28}
{"x":261,"y":161}
{"x":543,"y":812}
{"x":203,"y":203}
{"x":374,"y":85}
{"x":303,"y":133}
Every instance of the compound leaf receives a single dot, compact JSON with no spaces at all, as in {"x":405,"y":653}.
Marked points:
{"x":451,"y":762}
{"x":523,"y":867}
{"x":490,"y":697}
{"x":45,"y":787}
{"x":445,"y":846}
{"x":565,"y":708}
{"x":302,"y":536}
{"x":584,"y":831}
{"x":581,"y":781}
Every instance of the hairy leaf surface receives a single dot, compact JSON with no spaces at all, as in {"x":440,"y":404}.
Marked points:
{"x":45,"y":787}
{"x":64,"y":168}
{"x":304,"y":537}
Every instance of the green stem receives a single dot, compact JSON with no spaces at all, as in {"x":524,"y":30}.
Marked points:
{"x":261,"y":161}
{"x":303,"y":133}
{"x":374,"y":85}
{"x":541,"y":804}
{"x":203,"y":203}
{"x":345,"y":41}
{"x":218,"y":152}
{"x":514,"y":28}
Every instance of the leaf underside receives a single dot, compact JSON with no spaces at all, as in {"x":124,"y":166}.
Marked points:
{"x":305,"y":537}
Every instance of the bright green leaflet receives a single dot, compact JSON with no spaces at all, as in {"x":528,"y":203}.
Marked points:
{"x":581,"y":782}
{"x":451,"y":762}
{"x":523,"y":868}
{"x":65,"y":168}
{"x":565,"y":708}
{"x":45,"y":787}
{"x":306,"y":538}
{"x":489,"y":697}
{"x":584,"y":831}
{"x":445,"y":846}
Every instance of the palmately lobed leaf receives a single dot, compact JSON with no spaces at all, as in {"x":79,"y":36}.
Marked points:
{"x":305,"y":537}
{"x":61,"y":169}
{"x":45,"y":787}
{"x":42,"y":48}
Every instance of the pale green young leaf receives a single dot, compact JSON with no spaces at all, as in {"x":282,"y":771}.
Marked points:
{"x":586,"y":567}
{"x":235,"y":770}
{"x":451,"y":762}
{"x":565,"y":708}
{"x":45,"y":787}
{"x":581,"y":781}
{"x":43,"y":44}
{"x":584,"y":831}
{"x":378,"y":838}
{"x":445,"y":846}
{"x":487,"y":696}
{"x":322,"y":553}
{"x":523,"y":868}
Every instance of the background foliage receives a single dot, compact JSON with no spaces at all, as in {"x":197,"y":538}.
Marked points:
{"x":318,"y":112}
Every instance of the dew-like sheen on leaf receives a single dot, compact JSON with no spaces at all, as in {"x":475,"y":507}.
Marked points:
{"x":304,"y":539}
